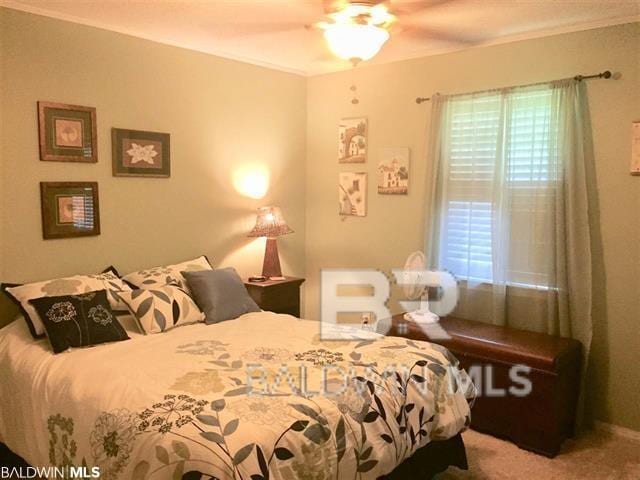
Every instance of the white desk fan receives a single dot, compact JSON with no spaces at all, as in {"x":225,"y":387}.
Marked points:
{"x":412,"y":277}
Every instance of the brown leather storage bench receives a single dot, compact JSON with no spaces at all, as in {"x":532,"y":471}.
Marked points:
{"x":539,"y":421}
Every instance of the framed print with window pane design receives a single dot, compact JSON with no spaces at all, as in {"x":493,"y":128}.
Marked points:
{"x":69,"y":209}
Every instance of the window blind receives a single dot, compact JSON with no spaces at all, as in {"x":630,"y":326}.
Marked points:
{"x":498,"y":159}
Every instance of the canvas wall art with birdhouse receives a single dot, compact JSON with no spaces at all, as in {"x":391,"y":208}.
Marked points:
{"x":352,"y":140}
{"x":393,"y":171}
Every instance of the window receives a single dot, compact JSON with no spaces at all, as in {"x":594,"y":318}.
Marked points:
{"x":499,"y":179}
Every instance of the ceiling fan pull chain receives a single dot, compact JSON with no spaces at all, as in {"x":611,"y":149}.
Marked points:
{"x":354,"y":100}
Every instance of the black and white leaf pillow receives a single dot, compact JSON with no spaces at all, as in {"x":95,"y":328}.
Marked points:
{"x":162,"y":308}
{"x":155,"y":277}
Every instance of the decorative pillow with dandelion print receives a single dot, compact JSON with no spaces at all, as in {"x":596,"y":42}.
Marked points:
{"x":79,"y":320}
{"x":22,"y":294}
{"x":162,"y":308}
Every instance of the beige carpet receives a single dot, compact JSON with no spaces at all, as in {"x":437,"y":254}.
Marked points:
{"x":593,"y":455}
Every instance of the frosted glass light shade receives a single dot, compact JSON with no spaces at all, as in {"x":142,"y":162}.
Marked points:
{"x":355,"y":41}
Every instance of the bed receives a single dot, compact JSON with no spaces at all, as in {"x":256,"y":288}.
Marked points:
{"x":258,"y":397}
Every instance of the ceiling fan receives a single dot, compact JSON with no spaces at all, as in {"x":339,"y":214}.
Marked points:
{"x":356,"y":30}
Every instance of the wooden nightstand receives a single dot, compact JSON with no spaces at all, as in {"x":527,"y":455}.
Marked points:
{"x":279,"y":296}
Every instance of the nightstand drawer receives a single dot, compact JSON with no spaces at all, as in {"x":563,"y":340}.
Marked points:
{"x":287,"y":309}
{"x":279,"y":296}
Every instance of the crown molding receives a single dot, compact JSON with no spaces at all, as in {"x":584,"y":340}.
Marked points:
{"x":16,"y":5}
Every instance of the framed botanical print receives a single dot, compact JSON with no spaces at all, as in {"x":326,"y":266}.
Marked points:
{"x":67,"y":133}
{"x":69,"y":209}
{"x":137,"y":153}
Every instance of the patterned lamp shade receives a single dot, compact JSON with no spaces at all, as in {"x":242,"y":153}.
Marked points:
{"x":270,"y":223}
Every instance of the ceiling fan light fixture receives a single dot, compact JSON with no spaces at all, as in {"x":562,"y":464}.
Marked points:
{"x":353,"y":41}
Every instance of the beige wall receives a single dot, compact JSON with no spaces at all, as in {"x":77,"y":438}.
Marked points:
{"x":394,"y":226}
{"x":224,"y":118}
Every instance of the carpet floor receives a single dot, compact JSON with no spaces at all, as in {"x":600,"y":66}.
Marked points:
{"x":593,"y":455}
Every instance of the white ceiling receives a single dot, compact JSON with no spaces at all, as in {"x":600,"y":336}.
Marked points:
{"x":272,"y":32}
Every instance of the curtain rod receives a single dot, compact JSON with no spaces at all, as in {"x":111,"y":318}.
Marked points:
{"x":577,"y":78}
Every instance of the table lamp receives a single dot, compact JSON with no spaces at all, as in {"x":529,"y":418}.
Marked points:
{"x":270,"y":223}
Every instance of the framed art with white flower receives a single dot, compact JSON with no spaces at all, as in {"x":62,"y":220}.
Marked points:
{"x":69,"y":209}
{"x":137,"y":153}
{"x":68,"y":133}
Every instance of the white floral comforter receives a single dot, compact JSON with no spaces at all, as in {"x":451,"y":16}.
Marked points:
{"x":254,"y":398}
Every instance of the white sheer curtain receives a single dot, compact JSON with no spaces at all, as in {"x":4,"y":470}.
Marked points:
{"x":509,"y":214}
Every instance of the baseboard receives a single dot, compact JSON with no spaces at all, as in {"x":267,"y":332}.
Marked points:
{"x":617,"y":430}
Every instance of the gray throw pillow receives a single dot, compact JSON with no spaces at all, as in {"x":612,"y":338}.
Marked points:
{"x":220,"y":294}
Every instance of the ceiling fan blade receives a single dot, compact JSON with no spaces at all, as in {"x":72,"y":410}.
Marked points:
{"x":247,"y":30}
{"x":413,"y":7}
{"x":331,"y":6}
{"x":432,"y":33}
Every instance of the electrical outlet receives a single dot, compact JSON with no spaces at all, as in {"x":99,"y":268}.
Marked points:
{"x":635,"y":149}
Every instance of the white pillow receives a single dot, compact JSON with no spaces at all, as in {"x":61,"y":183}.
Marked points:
{"x":162,"y":308}
{"x":167,"y":275}
{"x":76,"y":284}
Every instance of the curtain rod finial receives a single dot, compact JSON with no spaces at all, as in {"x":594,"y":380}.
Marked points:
{"x":606,"y":74}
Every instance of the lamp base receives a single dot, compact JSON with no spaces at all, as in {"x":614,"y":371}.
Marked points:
{"x":271,"y":264}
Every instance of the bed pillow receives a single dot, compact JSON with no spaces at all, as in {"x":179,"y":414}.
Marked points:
{"x":162,"y":308}
{"x":167,"y":275}
{"x":78,"y":320}
{"x":220,"y":294}
{"x":107,"y":280}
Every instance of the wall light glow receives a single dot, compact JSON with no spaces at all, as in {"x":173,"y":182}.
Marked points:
{"x":251,"y":181}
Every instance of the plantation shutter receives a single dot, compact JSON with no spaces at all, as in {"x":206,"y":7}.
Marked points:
{"x":498,"y":182}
